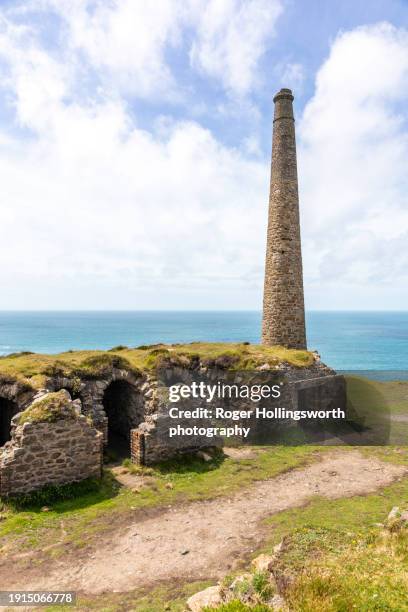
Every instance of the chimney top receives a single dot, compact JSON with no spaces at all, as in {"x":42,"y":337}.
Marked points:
{"x":284,"y":93}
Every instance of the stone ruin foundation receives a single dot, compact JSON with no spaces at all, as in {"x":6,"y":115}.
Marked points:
{"x":124,"y":410}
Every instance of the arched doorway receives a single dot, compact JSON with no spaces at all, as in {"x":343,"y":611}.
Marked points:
{"x":124,"y":407}
{"x":8,"y":409}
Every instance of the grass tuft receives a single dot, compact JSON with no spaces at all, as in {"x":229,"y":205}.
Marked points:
{"x":99,"y":365}
{"x":369,"y":574}
{"x":53,"y":407}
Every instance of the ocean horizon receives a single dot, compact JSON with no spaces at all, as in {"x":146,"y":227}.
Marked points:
{"x":346,"y":340}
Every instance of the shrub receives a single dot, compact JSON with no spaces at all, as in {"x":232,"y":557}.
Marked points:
{"x":56,"y":369}
{"x":155,"y":357}
{"x":262,"y":585}
{"x":146,"y":347}
{"x":100,"y":365}
{"x":225,"y":361}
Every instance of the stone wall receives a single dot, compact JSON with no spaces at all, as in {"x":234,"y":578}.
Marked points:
{"x":317,"y":385}
{"x":49,"y":453}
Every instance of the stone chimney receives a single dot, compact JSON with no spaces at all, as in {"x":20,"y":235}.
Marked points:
{"x":283,"y":305}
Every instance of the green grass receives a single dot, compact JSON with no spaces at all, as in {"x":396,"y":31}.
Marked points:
{"x":52,"y":494}
{"x":370,"y":575}
{"x":32,"y":524}
{"x":33,"y":369}
{"x":87,"y":516}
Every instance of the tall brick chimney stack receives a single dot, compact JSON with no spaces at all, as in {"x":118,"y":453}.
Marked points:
{"x":283,"y":305}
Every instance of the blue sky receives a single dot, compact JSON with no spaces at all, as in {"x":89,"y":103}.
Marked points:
{"x":135,"y":147}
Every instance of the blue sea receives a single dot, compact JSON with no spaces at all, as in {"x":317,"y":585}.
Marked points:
{"x":363,"y":341}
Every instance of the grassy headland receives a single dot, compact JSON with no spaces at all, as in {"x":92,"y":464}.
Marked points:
{"x":33,"y":368}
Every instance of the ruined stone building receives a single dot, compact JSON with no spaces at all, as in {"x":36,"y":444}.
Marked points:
{"x":283,"y":306}
{"x":57,"y":434}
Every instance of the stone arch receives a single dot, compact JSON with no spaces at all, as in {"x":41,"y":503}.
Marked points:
{"x":123,"y":404}
{"x":8,"y":408}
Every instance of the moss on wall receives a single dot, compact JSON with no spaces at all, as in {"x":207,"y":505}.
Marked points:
{"x":53,"y":407}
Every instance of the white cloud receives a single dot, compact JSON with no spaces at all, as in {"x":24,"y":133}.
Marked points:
{"x":124,"y":41}
{"x":98,"y":201}
{"x":36,"y":81}
{"x":353,"y":147}
{"x":232,"y":36}
{"x":128,"y":41}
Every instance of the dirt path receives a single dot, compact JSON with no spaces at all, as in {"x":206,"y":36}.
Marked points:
{"x":203,"y":539}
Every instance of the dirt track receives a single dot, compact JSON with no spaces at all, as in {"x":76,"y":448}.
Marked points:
{"x":204,"y":539}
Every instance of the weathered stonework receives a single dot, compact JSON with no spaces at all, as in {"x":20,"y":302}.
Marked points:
{"x":283,"y":306}
{"x":134,"y":406}
{"x":50,"y":453}
{"x":149,"y":442}
{"x":92,"y":392}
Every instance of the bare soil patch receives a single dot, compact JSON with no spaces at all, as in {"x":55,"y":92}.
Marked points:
{"x":240,"y":452}
{"x":127,"y":479}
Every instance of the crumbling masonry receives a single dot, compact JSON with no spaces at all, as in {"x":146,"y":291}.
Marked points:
{"x":68,"y":446}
